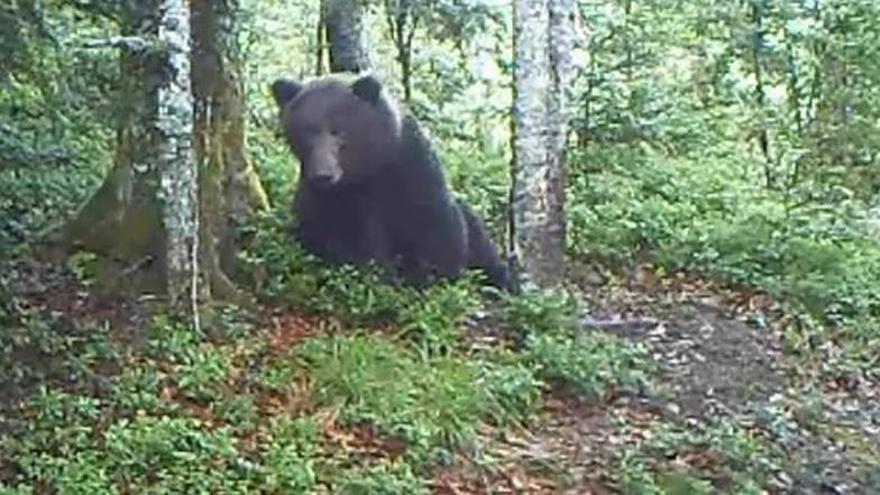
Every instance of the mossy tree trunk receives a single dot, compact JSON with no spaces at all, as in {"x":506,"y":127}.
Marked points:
{"x":543,"y":42}
{"x":231,"y":192}
{"x":762,"y":132}
{"x":122,"y":222}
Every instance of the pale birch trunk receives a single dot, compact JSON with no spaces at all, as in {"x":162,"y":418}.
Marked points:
{"x":175,"y":160}
{"x":347,"y":38}
{"x":544,"y":34}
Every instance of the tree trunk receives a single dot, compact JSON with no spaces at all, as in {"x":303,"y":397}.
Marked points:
{"x":402,"y":23}
{"x":344,"y":21}
{"x":231,"y":191}
{"x":584,"y":131}
{"x":543,"y":42}
{"x":179,"y":190}
{"x":321,"y":39}
{"x":763,"y":132}
{"x":795,"y":105}
{"x":122,"y":222}
{"x":628,"y":51}
{"x":794,"y":83}
{"x":873,"y":220}
{"x":819,"y":47}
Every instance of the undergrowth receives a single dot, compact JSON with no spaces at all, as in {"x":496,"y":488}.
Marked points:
{"x":223,"y":411}
{"x":33,"y":198}
{"x":717,"y":220}
{"x":715,"y":458}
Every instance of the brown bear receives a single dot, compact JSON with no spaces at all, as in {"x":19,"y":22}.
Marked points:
{"x":371,"y":187}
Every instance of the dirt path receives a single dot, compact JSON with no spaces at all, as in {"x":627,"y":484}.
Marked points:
{"x":713,"y":367}
{"x":718,"y":366}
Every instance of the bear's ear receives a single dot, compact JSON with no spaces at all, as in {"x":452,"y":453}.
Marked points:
{"x":367,"y":88}
{"x":284,"y":90}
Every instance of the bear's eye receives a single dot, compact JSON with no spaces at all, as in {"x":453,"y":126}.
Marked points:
{"x":335,"y":132}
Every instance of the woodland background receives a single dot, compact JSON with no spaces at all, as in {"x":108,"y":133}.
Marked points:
{"x":723,"y":202}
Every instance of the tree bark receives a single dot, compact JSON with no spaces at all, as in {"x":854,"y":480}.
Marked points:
{"x":794,"y":83}
{"x":402,"y":23}
{"x":819,"y":50}
{"x":543,"y":43}
{"x":321,"y":39}
{"x":179,"y":175}
{"x":123,"y":221}
{"x":231,"y":191}
{"x":344,"y":21}
{"x":763,"y":133}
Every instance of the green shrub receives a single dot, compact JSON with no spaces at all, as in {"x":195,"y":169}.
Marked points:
{"x":513,"y":384}
{"x":34,"y":198}
{"x":711,"y":218}
{"x":433,"y":320}
{"x":137,"y":387}
{"x":540,"y":312}
{"x":295,"y":277}
{"x":203,"y":373}
{"x":173,"y":455}
{"x":429,"y":403}
{"x":382,"y":479}
{"x":288,"y":455}
{"x":564,"y":353}
{"x":589,"y":363}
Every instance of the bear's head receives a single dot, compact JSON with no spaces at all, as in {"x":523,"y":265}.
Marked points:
{"x":340,"y":132}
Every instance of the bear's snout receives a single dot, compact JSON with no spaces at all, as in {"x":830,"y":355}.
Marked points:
{"x":323,"y":171}
{"x":324,"y":180}
{"x":322,"y":167}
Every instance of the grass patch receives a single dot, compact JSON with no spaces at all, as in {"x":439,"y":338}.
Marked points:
{"x":561,"y":352}
{"x":382,"y":478}
{"x":289,"y":455}
{"x":589,"y":364}
{"x":432,"y":403}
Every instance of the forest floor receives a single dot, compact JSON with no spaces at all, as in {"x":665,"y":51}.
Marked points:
{"x":730,"y":401}
{"x":722,"y":374}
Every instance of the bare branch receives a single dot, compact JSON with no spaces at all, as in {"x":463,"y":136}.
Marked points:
{"x":132,"y":43}
{"x":621,"y":326}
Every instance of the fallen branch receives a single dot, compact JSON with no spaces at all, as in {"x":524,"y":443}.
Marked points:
{"x":136,"y":266}
{"x":623,"y":326}
{"x":132,"y":43}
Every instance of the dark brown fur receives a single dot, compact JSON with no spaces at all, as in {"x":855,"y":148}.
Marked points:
{"x":372,"y":189}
